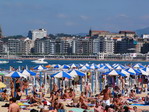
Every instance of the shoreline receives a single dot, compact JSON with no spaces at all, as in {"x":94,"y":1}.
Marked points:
{"x":80,"y":59}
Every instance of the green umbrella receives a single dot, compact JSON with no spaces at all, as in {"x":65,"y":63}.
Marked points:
{"x":1,"y":74}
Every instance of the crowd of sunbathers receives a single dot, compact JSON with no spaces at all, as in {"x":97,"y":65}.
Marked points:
{"x":60,"y":98}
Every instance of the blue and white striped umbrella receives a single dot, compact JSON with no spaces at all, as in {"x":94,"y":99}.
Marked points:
{"x":138,"y":65}
{"x":134,"y":71}
{"x":109,"y":66}
{"x":85,"y":68}
{"x":119,"y":67}
{"x":73,"y":65}
{"x":39,"y":67}
{"x":126,"y":72}
{"x":93,"y":66}
{"x":57,"y":66}
{"x":146,"y":69}
{"x":61,"y":74}
{"x":65,"y":67}
{"x":114,"y":73}
{"x":143,"y":72}
{"x":75,"y":73}
{"x":28,"y":73}
{"x":87,"y":65}
{"x":104,"y":69}
{"x":100,"y":65}
{"x":15,"y":75}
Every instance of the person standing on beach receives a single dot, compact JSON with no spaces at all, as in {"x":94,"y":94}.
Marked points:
{"x":25,"y":86}
{"x":106,"y":95}
{"x":13,"y":107}
{"x":87,"y":89}
{"x":12,"y":88}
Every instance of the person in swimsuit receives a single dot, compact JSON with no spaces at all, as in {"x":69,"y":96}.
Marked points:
{"x":13,"y":107}
{"x":12,"y":88}
{"x":106,"y":95}
{"x":87,"y":89}
{"x":19,"y":94}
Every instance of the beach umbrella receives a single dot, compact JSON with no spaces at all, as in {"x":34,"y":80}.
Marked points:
{"x":114,"y":73}
{"x":109,"y":66}
{"x":2,"y":74}
{"x":39,"y":67}
{"x":138,"y":65}
{"x":134,"y":71}
{"x":73,"y":66}
{"x":93,"y":66}
{"x":28,"y":73}
{"x":2,"y":85}
{"x":48,"y":66}
{"x":119,"y":67}
{"x":15,"y":75}
{"x":65,"y":67}
{"x":87,"y":65}
{"x":143,"y":72}
{"x":104,"y":69}
{"x":100,"y":65}
{"x":75,"y":73}
{"x":61,"y":74}
{"x":85,"y":68}
{"x":126,"y":72}
{"x":57,"y":66}
{"x":146,"y":69}
{"x":81,"y":65}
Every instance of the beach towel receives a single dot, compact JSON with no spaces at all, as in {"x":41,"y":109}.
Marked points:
{"x":140,"y":104}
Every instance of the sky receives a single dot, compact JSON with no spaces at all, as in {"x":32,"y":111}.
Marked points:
{"x":17,"y":17}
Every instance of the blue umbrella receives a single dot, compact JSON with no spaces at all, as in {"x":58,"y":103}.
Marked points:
{"x":65,"y":67}
{"x":73,"y":65}
{"x":100,"y":65}
{"x":138,"y":65}
{"x":114,"y":73}
{"x":85,"y":68}
{"x":127,"y":73}
{"x":119,"y":67}
{"x":93,"y":66}
{"x":15,"y":75}
{"x":87,"y":64}
{"x":134,"y":71}
{"x":104,"y":69}
{"x":28,"y":73}
{"x":146,"y":69}
{"x":76,"y":73}
{"x":39,"y":67}
{"x":109,"y":66}
{"x":143,"y":72}
{"x":61,"y":74}
{"x":57,"y":66}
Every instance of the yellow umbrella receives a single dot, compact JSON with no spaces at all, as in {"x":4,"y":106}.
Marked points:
{"x":2,"y":85}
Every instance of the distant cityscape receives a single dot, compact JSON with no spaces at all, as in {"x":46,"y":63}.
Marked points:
{"x":96,"y":44}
